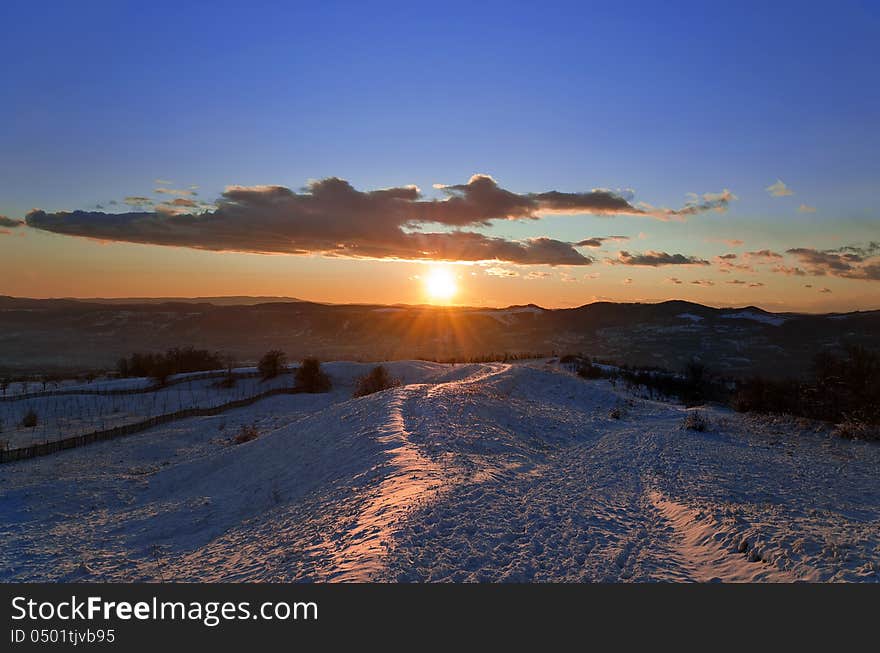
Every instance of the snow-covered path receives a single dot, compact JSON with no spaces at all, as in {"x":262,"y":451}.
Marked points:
{"x":490,"y":472}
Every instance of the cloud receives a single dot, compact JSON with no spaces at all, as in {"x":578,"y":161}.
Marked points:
{"x":727,"y":263}
{"x":597,"y":242}
{"x":655,"y":259}
{"x":732,"y":242}
{"x":750,"y":284}
{"x":481,"y":200}
{"x":627,"y":281}
{"x":806,"y":208}
{"x":703,"y":282}
{"x":789,"y":271}
{"x":847,"y":265}
{"x":331,"y":217}
{"x":566,"y":277}
{"x":537,"y":275}
{"x":694,"y":205}
{"x":163,"y":182}
{"x":177,"y":206}
{"x":763,"y":255}
{"x":674,"y":280}
{"x":10,"y":223}
{"x":497,"y":271}
{"x":779,"y":189}
{"x":134,"y":200}
{"x":825,"y":290}
{"x":867,"y":249}
{"x":175,"y":191}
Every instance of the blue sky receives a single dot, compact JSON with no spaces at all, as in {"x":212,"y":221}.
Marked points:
{"x":102,"y":98}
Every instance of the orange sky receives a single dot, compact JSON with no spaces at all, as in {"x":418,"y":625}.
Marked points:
{"x":36,"y":264}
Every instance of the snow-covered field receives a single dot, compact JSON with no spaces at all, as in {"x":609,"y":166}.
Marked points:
{"x":492,"y":472}
{"x":65,"y":415}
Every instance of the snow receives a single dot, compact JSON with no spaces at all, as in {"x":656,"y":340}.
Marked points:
{"x":484,"y":472}
{"x":690,"y":316}
{"x":773,"y":320}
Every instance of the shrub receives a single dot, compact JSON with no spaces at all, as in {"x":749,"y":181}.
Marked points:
{"x":174,"y":361}
{"x":246,"y":433}
{"x":615,"y":413}
{"x":272,"y":364}
{"x":310,"y":378}
{"x":377,"y":380}
{"x":29,"y":420}
{"x":854,"y":429}
{"x":590,"y":371}
{"x":696,"y":421}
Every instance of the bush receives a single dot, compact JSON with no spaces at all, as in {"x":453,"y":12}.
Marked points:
{"x":377,"y":380}
{"x":696,"y":421}
{"x":615,"y":413}
{"x":853,"y":429}
{"x":272,"y":364}
{"x":310,"y":378}
{"x":246,"y":433}
{"x":590,"y":371}
{"x":29,"y":420}
{"x":226,"y":382}
{"x":174,"y":361}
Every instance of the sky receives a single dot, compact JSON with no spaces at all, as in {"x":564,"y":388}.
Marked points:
{"x":548,"y":153}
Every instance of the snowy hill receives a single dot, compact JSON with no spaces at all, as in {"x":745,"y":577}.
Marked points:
{"x":490,"y":472}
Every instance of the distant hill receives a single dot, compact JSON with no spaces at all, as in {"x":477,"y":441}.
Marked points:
{"x":41,"y":335}
{"x":233,"y":300}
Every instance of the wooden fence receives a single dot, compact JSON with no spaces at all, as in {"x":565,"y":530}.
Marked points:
{"x":129,"y":391}
{"x":46,"y":448}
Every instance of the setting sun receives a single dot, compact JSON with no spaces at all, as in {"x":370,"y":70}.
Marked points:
{"x":440,"y":285}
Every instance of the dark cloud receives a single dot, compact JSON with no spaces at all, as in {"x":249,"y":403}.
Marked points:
{"x":597,"y":241}
{"x":847,"y":265}
{"x":867,"y":249}
{"x":655,"y":259}
{"x":789,"y":271}
{"x":10,"y":223}
{"x":727,"y":263}
{"x":764,"y":254}
{"x":333,"y":218}
{"x":750,"y":284}
{"x":243,"y":225}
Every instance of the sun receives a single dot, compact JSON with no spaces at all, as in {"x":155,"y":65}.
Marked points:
{"x":440,"y":284}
